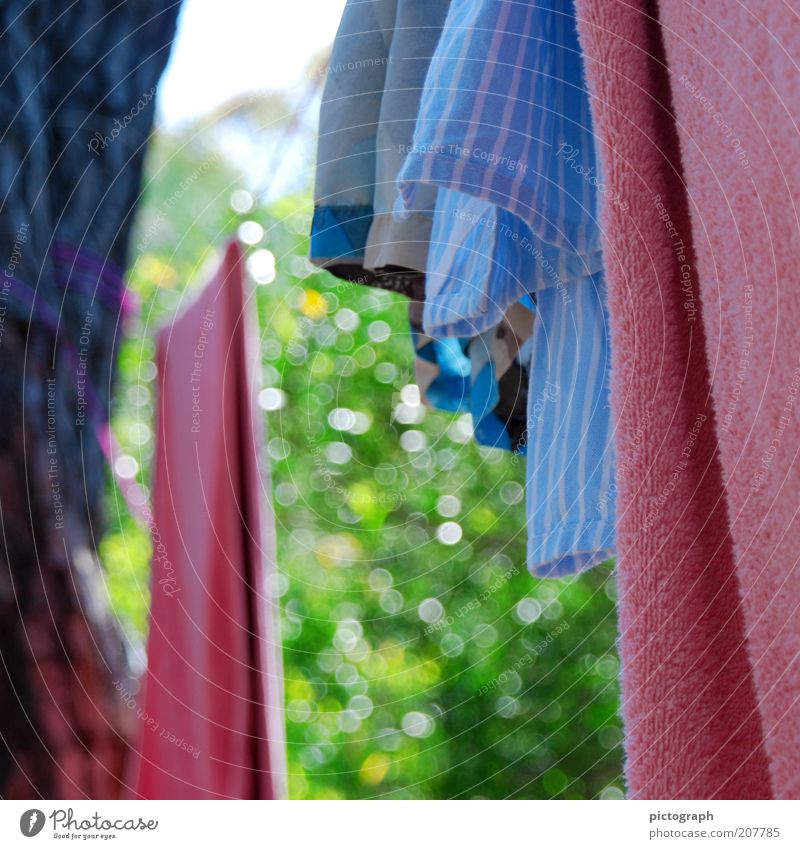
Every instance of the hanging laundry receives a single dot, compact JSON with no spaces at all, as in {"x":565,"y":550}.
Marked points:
{"x":704,"y":603}
{"x":503,"y":108}
{"x":369,"y":108}
{"x":571,"y":487}
{"x":503,"y":118}
{"x":479,"y":266}
{"x":485,"y":375}
{"x":213,"y":701}
{"x":367,"y":118}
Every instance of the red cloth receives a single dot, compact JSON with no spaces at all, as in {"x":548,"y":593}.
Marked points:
{"x":212,"y":713}
{"x":736,"y":92}
{"x":692,"y":105}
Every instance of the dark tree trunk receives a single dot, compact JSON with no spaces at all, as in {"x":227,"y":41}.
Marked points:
{"x":77,"y":86}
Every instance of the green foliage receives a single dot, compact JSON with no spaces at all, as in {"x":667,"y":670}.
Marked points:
{"x":421,"y":659}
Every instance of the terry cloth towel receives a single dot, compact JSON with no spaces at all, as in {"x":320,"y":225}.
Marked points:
{"x":736,"y":89}
{"x":484,"y":257}
{"x":571,"y":490}
{"x":369,"y":108}
{"x":212,"y":710}
{"x":690,"y":706}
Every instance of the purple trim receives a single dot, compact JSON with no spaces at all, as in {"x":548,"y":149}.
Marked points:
{"x":81,"y":269}
{"x":46,"y":316}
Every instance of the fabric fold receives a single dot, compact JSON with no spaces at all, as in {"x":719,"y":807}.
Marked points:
{"x":736,"y":92}
{"x":212,"y":713}
{"x":692,"y":725}
{"x":505,"y":134}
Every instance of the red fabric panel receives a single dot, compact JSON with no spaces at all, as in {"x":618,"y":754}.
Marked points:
{"x":212,"y":721}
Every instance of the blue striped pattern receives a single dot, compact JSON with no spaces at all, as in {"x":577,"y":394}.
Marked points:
{"x":367,"y":119}
{"x":504,"y":131}
{"x":472,"y":278}
{"x":482,"y":259}
{"x":503,"y":107}
{"x":570,"y":478}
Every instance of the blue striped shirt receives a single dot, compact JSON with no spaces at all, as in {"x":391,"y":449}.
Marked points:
{"x":503,"y":106}
{"x":504,"y":131}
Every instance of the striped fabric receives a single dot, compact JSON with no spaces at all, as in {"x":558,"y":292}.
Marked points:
{"x":472,"y":278}
{"x":570,"y":478}
{"x":367,"y":119}
{"x":483,"y":259}
{"x":504,"y":116}
{"x":504,"y":131}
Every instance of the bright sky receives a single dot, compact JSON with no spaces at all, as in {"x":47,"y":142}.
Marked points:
{"x":227,"y":47}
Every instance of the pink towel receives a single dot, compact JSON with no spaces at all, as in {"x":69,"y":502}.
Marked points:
{"x":212,"y":722}
{"x":690,"y":708}
{"x":735,"y":73}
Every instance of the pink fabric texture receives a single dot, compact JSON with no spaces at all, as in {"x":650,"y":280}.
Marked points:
{"x":690,"y":702}
{"x":735,"y":72}
{"x":212,"y":718}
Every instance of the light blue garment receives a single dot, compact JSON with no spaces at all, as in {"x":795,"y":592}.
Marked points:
{"x":504,"y":116}
{"x":367,"y":117}
{"x":504,"y":131}
{"x":570,"y":477}
{"x":483,"y":259}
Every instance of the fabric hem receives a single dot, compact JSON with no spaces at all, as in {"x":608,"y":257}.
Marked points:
{"x":401,"y":243}
{"x":437,"y":169}
{"x":571,"y":548}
